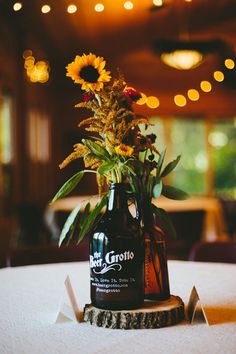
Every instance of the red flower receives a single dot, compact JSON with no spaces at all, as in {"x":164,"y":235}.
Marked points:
{"x":88,"y":97}
{"x":132,"y":94}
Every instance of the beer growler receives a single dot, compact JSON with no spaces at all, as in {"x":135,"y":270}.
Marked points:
{"x":117,"y":255}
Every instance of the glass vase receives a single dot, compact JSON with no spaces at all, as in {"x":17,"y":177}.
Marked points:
{"x":156,"y":269}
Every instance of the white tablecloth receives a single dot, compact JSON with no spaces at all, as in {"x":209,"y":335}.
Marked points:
{"x":30,"y":297}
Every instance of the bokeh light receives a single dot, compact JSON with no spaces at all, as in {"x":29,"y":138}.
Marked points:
{"x":180,"y":100}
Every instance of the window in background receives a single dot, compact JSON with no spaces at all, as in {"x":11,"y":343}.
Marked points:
{"x":188,"y":138}
{"x":6,"y":141}
{"x":222,"y":140}
{"x":208,"y":153}
{"x":39,"y":136}
{"x":6,"y":150}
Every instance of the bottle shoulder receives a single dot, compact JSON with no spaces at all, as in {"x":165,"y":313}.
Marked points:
{"x":112,"y":226}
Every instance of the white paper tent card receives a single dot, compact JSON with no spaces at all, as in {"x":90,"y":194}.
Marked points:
{"x":195,"y":310}
{"x":69,"y":309}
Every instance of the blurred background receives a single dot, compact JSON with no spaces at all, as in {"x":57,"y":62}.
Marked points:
{"x":180,"y":54}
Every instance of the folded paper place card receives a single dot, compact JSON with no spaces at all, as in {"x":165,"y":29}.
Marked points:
{"x":69,"y":309}
{"x":195,"y":310}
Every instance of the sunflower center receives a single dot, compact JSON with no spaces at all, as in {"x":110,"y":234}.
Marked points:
{"x":89,"y":73}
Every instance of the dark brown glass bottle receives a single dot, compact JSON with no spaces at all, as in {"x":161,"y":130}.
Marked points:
{"x":117,"y":256}
{"x":156,"y":270}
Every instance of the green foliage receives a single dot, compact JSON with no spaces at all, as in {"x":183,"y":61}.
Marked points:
{"x":157,"y":189}
{"x":174,"y":193}
{"x":69,"y":226}
{"x":68,"y":186}
{"x":106,"y":167}
{"x":100,"y":152}
{"x":89,"y":218}
{"x":164,"y":217}
{"x":171,"y":165}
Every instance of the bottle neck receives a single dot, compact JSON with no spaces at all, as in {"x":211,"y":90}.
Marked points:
{"x":117,"y":200}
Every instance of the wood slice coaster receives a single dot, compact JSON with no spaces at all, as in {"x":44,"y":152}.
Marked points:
{"x":154,"y":314}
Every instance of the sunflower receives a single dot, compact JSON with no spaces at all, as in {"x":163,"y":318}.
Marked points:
{"x":88,"y":70}
{"x":124,"y":150}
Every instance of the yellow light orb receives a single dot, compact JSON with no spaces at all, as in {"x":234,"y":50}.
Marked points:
{"x":219,"y":76}
{"x":152,"y":102}
{"x":157,"y":2}
{"x":193,"y":95}
{"x":71,"y":9}
{"x":27,"y":53}
{"x":99,"y":7}
{"x":17,"y":6}
{"x":142,"y":100}
{"x":29,"y":62}
{"x":128,"y":5}
{"x":205,"y":86}
{"x":45,"y":9}
{"x":180,"y":100}
{"x":229,"y":63}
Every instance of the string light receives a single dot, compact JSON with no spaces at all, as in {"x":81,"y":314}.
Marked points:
{"x":180,"y":100}
{"x":99,"y":7}
{"x":17,"y":6}
{"x":142,"y":100}
{"x":128,"y":5}
{"x":36,"y":71}
{"x":229,"y":64}
{"x":218,"y":76}
{"x":157,"y":2}
{"x":45,"y":9}
{"x":71,"y":9}
{"x":193,"y":95}
{"x":152,"y":102}
{"x":205,"y":86}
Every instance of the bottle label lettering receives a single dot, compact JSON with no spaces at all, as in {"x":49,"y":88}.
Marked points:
{"x":112,"y":261}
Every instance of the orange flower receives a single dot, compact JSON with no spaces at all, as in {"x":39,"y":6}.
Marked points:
{"x":124,"y":150}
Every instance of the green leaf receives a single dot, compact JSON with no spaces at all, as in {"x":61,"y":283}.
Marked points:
{"x":174,"y":193}
{"x":164,"y":217}
{"x":97,"y":149}
{"x":85,"y":213}
{"x":156,"y":192}
{"x":69,"y":225}
{"x":91,"y":218}
{"x":106,"y":167}
{"x":170,"y":166}
{"x":160,"y":162}
{"x":68,"y":186}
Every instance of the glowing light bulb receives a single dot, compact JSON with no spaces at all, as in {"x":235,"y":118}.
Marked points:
{"x":152,"y":102}
{"x":45,"y":9}
{"x":205,"y":86}
{"x":71,"y":9}
{"x":17,"y":6}
{"x":128,"y":5}
{"x":229,"y":63}
{"x":99,"y":7}
{"x":193,"y":95}
{"x":142,"y":100}
{"x":157,"y":2}
{"x":219,"y":76}
{"x":27,"y":53}
{"x":180,"y":100}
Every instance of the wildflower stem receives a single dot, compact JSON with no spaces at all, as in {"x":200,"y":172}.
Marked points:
{"x":90,"y":171}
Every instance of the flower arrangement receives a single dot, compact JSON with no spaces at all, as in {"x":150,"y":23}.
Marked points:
{"x":117,"y":151}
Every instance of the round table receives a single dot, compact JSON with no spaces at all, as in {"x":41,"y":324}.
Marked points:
{"x":30,"y":298}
